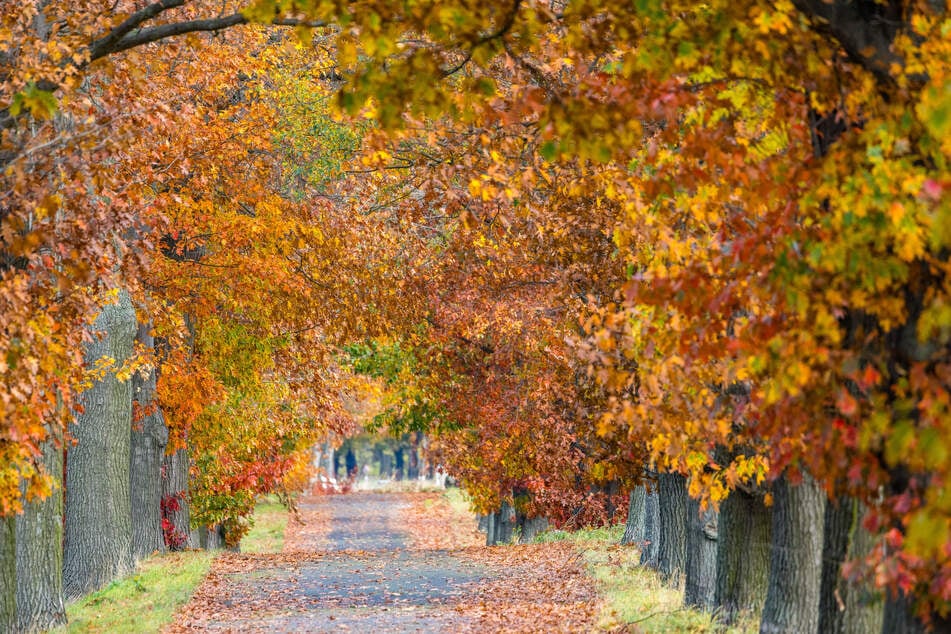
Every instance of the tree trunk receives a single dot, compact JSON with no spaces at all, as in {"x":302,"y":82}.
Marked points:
{"x":672,"y":546}
{"x":844,"y":606}
{"x":649,"y":549}
{"x":8,"y":575}
{"x":531,"y":527}
{"x":899,"y":618}
{"x":500,"y":526}
{"x":792,"y":600}
{"x":743,"y":537}
{"x":700,"y":582}
{"x":412,"y":470}
{"x":400,"y":463}
{"x":149,"y":437}
{"x":634,"y":527}
{"x":490,"y":529}
{"x":175,"y":512}
{"x":211,"y":537}
{"x":98,"y":534}
{"x":39,"y":553}
{"x":611,"y":491}
{"x":329,"y":460}
{"x":505,"y":524}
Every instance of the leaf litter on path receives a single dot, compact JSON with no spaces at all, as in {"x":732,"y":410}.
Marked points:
{"x":393,"y":562}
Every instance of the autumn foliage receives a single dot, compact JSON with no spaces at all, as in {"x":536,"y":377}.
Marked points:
{"x":572,"y":239}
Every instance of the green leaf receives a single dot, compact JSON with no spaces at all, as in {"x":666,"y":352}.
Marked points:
{"x":40,"y":103}
{"x":549,"y":150}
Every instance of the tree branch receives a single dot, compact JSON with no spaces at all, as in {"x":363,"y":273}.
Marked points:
{"x":504,"y":28}
{"x":109,"y":40}
{"x":865,"y":29}
{"x":127,"y":36}
{"x":164,"y":31}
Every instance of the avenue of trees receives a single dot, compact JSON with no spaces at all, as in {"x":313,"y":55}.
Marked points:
{"x":685,"y":259}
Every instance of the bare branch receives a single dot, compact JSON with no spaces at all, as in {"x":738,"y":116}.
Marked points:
{"x":164,"y":31}
{"x":133,"y":21}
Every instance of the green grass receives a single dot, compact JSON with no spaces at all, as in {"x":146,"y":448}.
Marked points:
{"x":267,"y":531}
{"x":147,"y":600}
{"x":144,"y":601}
{"x":635,"y":595}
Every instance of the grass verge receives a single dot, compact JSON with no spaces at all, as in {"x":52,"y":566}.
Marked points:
{"x":267,"y":529}
{"x":144,"y":601}
{"x":147,"y":600}
{"x":634,"y":595}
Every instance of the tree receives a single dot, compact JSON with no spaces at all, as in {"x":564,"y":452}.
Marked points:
{"x":147,"y":449}
{"x":691,"y":128}
{"x":97,"y":544}
{"x":734,"y":211}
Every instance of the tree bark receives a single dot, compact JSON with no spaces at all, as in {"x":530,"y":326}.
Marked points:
{"x":501,"y":526}
{"x":398,"y":455}
{"x":149,"y":437}
{"x":700,"y":582}
{"x":8,"y":575}
{"x":491,"y":531}
{"x":672,"y":546}
{"x":413,"y":459}
{"x":506,"y":524}
{"x":846,"y":607}
{"x":744,"y":526}
{"x":39,"y":553}
{"x":611,"y":490}
{"x":634,"y":527}
{"x":900,"y":618}
{"x":175,"y":501}
{"x":531,"y":526}
{"x":211,"y":537}
{"x":98,"y":534}
{"x":650,"y":548}
{"x":328,"y":456}
{"x":795,"y":574}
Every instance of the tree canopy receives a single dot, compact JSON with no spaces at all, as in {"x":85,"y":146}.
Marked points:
{"x":593,"y":236}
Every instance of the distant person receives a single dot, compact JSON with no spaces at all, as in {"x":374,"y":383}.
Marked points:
{"x":351,"y":461}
